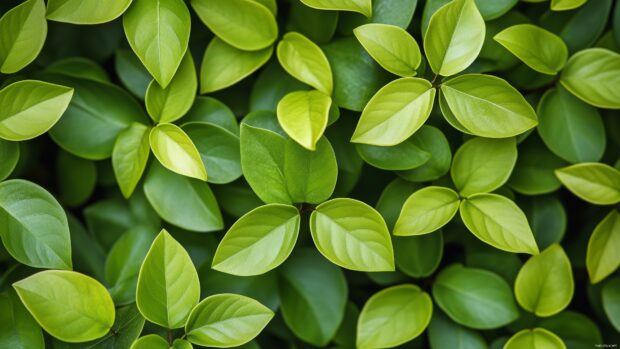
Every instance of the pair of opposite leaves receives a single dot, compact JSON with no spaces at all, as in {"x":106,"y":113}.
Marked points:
{"x":167,"y":273}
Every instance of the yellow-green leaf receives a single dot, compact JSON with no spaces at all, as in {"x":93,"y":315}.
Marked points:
{"x":538,"y":338}
{"x":360,"y":6}
{"x":565,"y":5}
{"x":603,"y":256}
{"x":129,"y":156}
{"x":594,"y":182}
{"x":23,"y":30}
{"x":303,"y":116}
{"x":427,"y":210}
{"x":305,"y":61}
{"x":85,"y":11}
{"x":176,"y":151}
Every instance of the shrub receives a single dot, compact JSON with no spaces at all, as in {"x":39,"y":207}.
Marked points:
{"x":354,"y":173}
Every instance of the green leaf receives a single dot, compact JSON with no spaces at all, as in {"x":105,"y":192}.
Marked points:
{"x":403,"y":156}
{"x":56,"y":298}
{"x":602,"y":257}
{"x":244,"y":24}
{"x":224,"y":65}
{"x":547,"y":218}
{"x":226,"y":320}
{"x":123,"y":263}
{"x":564,"y":5}
{"x":9,"y":157}
{"x":259,"y":241}
{"x":171,"y":103}
{"x":533,"y":173}
{"x":24,"y":30}
{"x":434,"y":142}
{"x":176,"y":151}
{"x":129,"y":156}
{"x":393,"y":316}
{"x":305,"y":61}
{"x":474,"y":298}
{"x":594,"y":182}
{"x":395,"y":112}
{"x":211,"y":110}
{"x":79,"y":67}
{"x":576,"y":329}
{"x":219,"y":150}
{"x":352,"y":235}
{"x":427,"y":210}
{"x":131,"y":72}
{"x":76,"y":179}
{"x":611,"y":301}
{"x":570,"y":128}
{"x":185,"y":202}
{"x":499,"y":222}
{"x":482,"y":165}
{"x":454,"y":37}
{"x":31,"y":108}
{"x":314,"y":295}
{"x":34,"y":226}
{"x":544,"y":285}
{"x":150,"y":341}
{"x":181,"y":344}
{"x":95,"y":106}
{"x":593,"y":75}
{"x":444,"y":333}
{"x":488,"y":106}
{"x":538,"y":48}
{"x":360,"y":6}
{"x":538,"y":338}
{"x":168,"y":286}
{"x":158,"y":32}
{"x":303,"y":116}
{"x":391,"y":46}
{"x":19,"y":329}
{"x":85,"y":11}
{"x":419,"y":256}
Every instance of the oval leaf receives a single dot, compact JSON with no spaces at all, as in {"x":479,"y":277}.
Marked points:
{"x":303,"y":116}
{"x":176,"y":151}
{"x":564,"y":5}
{"x":593,"y":182}
{"x":226,"y":320}
{"x":544,"y":285}
{"x":391,"y":46}
{"x":427,"y":210}
{"x":538,"y":338}
{"x":611,"y":301}
{"x":305,"y":61}
{"x":168,"y":286}
{"x":602,"y":257}
{"x":395,"y":112}
{"x":20,"y":330}
{"x":352,"y":235}
{"x":259,"y":241}
{"x":85,"y":11}
{"x":150,"y":341}
{"x":360,"y":6}
{"x":56,"y":298}
{"x":454,"y":37}
{"x":499,"y":222}
{"x":129,"y":156}
{"x":24,"y":30}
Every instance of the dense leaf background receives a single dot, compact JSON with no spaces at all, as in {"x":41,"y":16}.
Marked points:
{"x":309,"y":174}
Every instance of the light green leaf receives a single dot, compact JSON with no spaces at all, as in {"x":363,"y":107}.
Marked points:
{"x":70,"y":306}
{"x":454,"y":37}
{"x":34,"y":226}
{"x":244,"y":24}
{"x":23,"y":30}
{"x":176,"y":151}
{"x":303,"y":116}
{"x":482,"y":165}
{"x":564,"y":5}
{"x":474,"y":298}
{"x":9,"y":157}
{"x":570,"y":128}
{"x":391,"y":46}
{"x":158,"y":32}
{"x":603,"y":257}
{"x":488,"y":106}
{"x":226,"y":320}
{"x":19,"y":329}
{"x":168,"y":286}
{"x":538,"y":48}
{"x":259,"y":241}
{"x":129,"y":156}
{"x":30,"y":108}
{"x":544,"y":285}
{"x":171,"y":103}
{"x":395,"y":112}
{"x":85,"y":11}
{"x":499,"y":222}
{"x":305,"y":61}
{"x":594,"y":182}
{"x":393,"y":316}
{"x":593,"y":75}
{"x":538,"y":338}
{"x":360,"y":6}
{"x":150,"y":341}
{"x":352,"y":235}
{"x":611,"y":301}
{"x":427,"y":210}
{"x":313,"y":293}
{"x":224,"y":65}
{"x":181,"y":344}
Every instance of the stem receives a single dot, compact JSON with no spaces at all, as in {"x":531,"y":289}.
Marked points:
{"x":170,"y":337}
